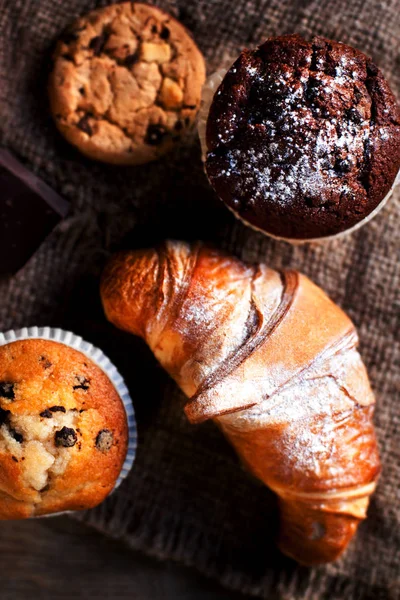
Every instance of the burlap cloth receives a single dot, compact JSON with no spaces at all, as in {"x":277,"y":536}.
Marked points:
{"x":187,"y":497}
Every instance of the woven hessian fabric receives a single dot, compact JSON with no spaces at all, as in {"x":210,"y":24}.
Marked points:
{"x":188,"y":498}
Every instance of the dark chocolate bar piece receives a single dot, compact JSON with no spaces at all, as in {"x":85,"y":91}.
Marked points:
{"x":29,"y":210}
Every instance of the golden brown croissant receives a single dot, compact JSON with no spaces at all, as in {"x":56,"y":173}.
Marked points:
{"x":273,"y":361}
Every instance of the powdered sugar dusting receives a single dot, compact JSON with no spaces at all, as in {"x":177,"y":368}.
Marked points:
{"x":312,"y":451}
{"x":293,"y":132}
{"x":309,"y":413}
{"x":305,"y":152}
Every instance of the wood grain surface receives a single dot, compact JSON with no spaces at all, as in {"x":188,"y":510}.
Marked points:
{"x":59,"y":558}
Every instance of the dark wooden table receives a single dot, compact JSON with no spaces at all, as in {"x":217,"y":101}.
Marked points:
{"x":60,"y":558}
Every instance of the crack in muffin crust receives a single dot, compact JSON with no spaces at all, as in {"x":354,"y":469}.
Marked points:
{"x":303,"y":138}
{"x":126,"y":83}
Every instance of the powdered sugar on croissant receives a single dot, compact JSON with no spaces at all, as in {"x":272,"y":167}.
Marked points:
{"x":273,"y":361}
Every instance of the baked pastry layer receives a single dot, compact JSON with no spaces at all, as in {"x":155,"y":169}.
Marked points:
{"x":274,"y":362}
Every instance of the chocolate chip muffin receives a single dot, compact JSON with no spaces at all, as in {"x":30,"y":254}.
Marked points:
{"x":63,"y":430}
{"x":126,"y":83}
{"x":303,"y":138}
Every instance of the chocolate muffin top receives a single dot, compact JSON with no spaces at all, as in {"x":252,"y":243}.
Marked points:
{"x":303,"y":138}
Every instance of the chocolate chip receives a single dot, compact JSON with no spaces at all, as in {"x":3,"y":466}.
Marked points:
{"x":46,"y":414}
{"x":84,"y":125}
{"x":66,"y":437}
{"x":353,"y":115}
{"x":130,"y":60}
{"x":97,"y":43}
{"x":165,"y":33}
{"x":7,"y":390}
{"x":82,"y":91}
{"x":104,"y":440}
{"x":17,"y":436}
{"x":82,"y":383}
{"x":342,"y":166}
{"x":3,"y":416}
{"x":57,"y":409}
{"x":68,"y":57}
{"x":154,"y":29}
{"x":45,"y":362}
{"x":15,"y":459}
{"x":155,"y":135}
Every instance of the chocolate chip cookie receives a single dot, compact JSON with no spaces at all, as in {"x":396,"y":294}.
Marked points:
{"x":303,"y":137}
{"x":126,"y":83}
{"x":63,"y":430}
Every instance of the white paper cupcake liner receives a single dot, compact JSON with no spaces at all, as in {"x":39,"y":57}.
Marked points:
{"x":209,"y":88}
{"x":101,"y":360}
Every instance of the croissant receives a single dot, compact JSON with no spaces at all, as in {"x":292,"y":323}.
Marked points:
{"x":273,"y":361}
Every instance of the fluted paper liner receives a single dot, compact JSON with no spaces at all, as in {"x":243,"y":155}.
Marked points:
{"x":101,"y":360}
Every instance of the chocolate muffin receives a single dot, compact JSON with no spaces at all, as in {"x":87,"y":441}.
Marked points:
{"x":303,"y":138}
{"x":63,"y":430}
